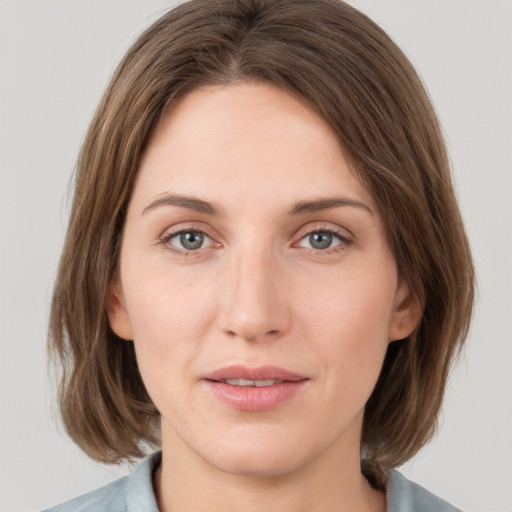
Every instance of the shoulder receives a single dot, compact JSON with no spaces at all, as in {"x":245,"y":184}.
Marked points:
{"x":406,"y":496}
{"x":112,"y":497}
{"x":132,"y":493}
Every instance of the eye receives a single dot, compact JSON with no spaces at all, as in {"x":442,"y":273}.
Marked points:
{"x":322,"y":240}
{"x":188,"y":240}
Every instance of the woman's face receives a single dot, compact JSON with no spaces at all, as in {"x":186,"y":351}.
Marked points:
{"x":257,"y":284}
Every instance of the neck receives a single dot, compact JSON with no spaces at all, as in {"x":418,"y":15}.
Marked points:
{"x":335,"y":485}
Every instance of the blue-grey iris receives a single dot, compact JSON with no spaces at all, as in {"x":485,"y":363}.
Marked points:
{"x":320,"y":240}
{"x":191,"y":240}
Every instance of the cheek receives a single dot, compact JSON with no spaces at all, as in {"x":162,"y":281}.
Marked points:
{"x":349,"y":318}
{"x":356,"y":303}
{"x":170,"y":315}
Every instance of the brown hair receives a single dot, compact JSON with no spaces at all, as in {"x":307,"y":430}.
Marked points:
{"x":348,"y":70}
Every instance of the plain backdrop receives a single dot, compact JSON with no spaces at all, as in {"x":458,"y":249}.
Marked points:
{"x":56,"y":58}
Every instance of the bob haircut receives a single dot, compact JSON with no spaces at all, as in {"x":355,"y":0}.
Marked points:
{"x":344,"y":67}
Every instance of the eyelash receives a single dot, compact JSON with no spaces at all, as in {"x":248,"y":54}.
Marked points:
{"x":344,"y":241}
{"x":166,"y":238}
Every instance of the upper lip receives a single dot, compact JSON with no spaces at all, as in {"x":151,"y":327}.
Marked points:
{"x":256,"y":373}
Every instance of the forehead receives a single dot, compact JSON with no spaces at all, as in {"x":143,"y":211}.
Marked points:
{"x":251,"y":138}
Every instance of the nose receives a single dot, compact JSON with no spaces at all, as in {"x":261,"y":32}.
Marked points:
{"x":254,"y":305}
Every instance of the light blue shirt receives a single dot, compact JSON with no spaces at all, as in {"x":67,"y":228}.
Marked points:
{"x":134,"y":493}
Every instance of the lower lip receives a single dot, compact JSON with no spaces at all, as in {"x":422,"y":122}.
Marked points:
{"x":255,"y":399}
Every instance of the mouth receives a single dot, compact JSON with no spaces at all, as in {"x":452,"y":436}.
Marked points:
{"x":249,"y":382}
{"x":239,"y":375}
{"x":254,"y":389}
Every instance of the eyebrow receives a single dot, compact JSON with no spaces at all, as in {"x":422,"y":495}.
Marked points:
{"x":302,"y":207}
{"x":190,"y":203}
{"x":326,"y":204}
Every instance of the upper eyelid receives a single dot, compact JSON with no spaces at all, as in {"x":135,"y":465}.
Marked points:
{"x":337,"y":230}
{"x":322,"y":230}
{"x":184,"y":227}
{"x":166,"y":240}
{"x":342,"y":239}
{"x":184,"y":230}
{"x":169,"y":236}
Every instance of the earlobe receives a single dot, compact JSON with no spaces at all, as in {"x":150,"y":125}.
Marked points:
{"x":406,"y":314}
{"x":117,"y":314}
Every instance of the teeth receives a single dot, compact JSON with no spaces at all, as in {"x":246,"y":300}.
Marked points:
{"x":263,"y":383}
{"x":257,"y":383}
{"x":240,"y":382}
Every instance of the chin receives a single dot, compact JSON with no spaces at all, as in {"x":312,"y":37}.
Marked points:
{"x":259,"y":459}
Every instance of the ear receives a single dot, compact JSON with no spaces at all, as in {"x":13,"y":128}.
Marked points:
{"x":117,"y":314}
{"x":406,"y":314}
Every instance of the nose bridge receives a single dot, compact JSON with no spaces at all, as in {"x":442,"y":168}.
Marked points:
{"x":255,"y":308}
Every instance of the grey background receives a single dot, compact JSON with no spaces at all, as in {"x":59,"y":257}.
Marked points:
{"x":56,"y":58}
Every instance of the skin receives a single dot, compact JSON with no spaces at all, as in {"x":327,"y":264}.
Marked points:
{"x":258,"y":291}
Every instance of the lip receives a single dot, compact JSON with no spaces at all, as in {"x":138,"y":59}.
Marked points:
{"x":257,"y":373}
{"x":252,"y":398}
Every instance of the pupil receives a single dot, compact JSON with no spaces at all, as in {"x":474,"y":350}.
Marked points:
{"x":191,"y":240}
{"x":320,"y":240}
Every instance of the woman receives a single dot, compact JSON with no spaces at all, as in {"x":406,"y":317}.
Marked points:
{"x":265,"y":270}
